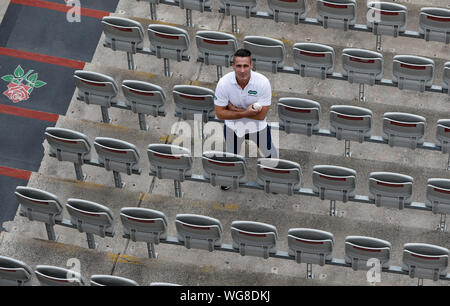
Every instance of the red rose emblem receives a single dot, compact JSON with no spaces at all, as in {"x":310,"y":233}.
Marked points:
{"x":17,"y":92}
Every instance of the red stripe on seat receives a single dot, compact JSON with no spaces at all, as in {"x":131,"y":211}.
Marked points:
{"x":446,"y":130}
{"x":276,"y":171}
{"x":426,"y":257}
{"x":221,"y":164}
{"x":403,"y":124}
{"x":367,"y":250}
{"x":166,"y":156}
{"x":89,"y":214}
{"x":196,"y":227}
{"x":390,"y":185}
{"x":253,"y":235}
{"x":414,"y":67}
{"x":166,"y":36}
{"x":338,"y":6}
{"x":441,"y":190}
{"x":288,"y":0}
{"x":309,"y":242}
{"x":312,"y":54}
{"x":39,"y":202}
{"x":192,"y":98}
{"x":441,"y":19}
{"x":16,"y":173}
{"x":123,"y":29}
{"x":296,"y":110}
{"x":333,"y":178}
{"x":215,"y":42}
{"x":115,"y":151}
{"x":389,"y":13}
{"x":142,"y":93}
{"x":350,"y":117}
{"x":63,"y":140}
{"x":94,"y":84}
{"x":360,"y":60}
{"x":8,"y":270}
{"x":140,"y":221}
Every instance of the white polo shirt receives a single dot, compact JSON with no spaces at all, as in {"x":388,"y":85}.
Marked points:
{"x":257,"y":90}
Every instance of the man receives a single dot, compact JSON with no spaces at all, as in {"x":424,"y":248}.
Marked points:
{"x":235,"y":95}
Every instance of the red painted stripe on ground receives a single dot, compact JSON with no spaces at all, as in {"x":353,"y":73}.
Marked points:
{"x":61,"y":8}
{"x":42,"y":58}
{"x":28,"y":113}
{"x":16,"y":173}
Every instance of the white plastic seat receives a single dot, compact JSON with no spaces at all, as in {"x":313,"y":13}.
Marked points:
{"x":56,"y":276}
{"x":96,"y":88}
{"x":241,"y":8}
{"x":334,"y":182}
{"x":123,"y":34}
{"x":170,"y":161}
{"x":68,"y":145}
{"x":298,"y":115}
{"x":412,"y":72}
{"x":386,"y":18}
{"x":438,"y":195}
{"x":350,"y":122}
{"x":14,"y":272}
{"x":111,"y":280}
{"x":313,"y":60}
{"x":287,"y":10}
{"x":215,"y":48}
{"x":191,"y":100}
{"x":362,"y":66}
{"x":168,"y":42}
{"x":267,"y":53}
{"x":144,"y":98}
{"x":338,"y":14}
{"x":254,"y":238}
{"x":310,"y":246}
{"x":196,"y":5}
{"x":198,"y":232}
{"x":117,"y":155}
{"x":90,"y":217}
{"x":443,"y":135}
{"x":224,"y":169}
{"x":434,"y":23}
{"x":390,"y":189}
{"x":360,"y":249}
{"x":403,"y":129}
{"x":446,"y":77}
{"x":425,"y":261}
{"x":143,"y":224}
{"x":278,"y":175}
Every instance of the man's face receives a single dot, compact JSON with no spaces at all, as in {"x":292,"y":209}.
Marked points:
{"x":242,"y":67}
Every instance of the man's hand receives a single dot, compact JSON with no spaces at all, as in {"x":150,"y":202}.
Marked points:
{"x":233,"y":108}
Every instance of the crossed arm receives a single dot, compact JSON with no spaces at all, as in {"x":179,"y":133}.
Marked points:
{"x":231,"y":112}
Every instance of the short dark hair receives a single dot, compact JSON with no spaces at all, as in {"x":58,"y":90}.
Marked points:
{"x":243,"y":53}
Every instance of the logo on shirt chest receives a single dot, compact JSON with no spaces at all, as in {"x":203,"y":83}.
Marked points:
{"x":252,"y":92}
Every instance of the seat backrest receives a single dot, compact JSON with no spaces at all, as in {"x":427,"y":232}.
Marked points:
{"x":287,"y":10}
{"x":190,"y":100}
{"x":438,"y":195}
{"x":334,"y":182}
{"x":68,"y":145}
{"x":412,"y":72}
{"x":254,"y":238}
{"x":446,"y":77}
{"x":385,"y":18}
{"x":298,"y":115}
{"x":144,"y":98}
{"x":425,"y":261}
{"x":196,"y":5}
{"x":360,"y":249}
{"x":310,"y":245}
{"x":170,"y":161}
{"x":198,"y":232}
{"x":90,"y":217}
{"x":111,"y":280}
{"x":443,"y":135}
{"x":14,"y":272}
{"x":267,"y":53}
{"x":434,"y":23}
{"x":313,"y":60}
{"x":215,"y":48}
{"x":39,"y":205}
{"x":390,"y":189}
{"x":403,"y":129}
{"x":56,"y":276}
{"x":116,"y":155}
{"x":241,"y":8}
{"x":95,"y":88}
{"x":362,"y":66}
{"x":350,"y":122}
{"x":336,"y":13}
{"x":278,"y":175}
{"x":168,"y":41}
{"x":224,"y":169}
{"x":123,"y":34}
{"x":143,"y":224}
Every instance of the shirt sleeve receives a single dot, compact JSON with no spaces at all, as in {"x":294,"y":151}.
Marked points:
{"x":221,"y":97}
{"x":266,"y":96}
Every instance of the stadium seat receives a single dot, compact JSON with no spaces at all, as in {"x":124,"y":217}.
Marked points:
{"x":334,"y":182}
{"x":438,"y":198}
{"x":434,"y":24}
{"x":287,"y":10}
{"x":224,"y":169}
{"x":279,"y":176}
{"x":412,"y":72}
{"x":170,"y":161}
{"x":443,"y":135}
{"x":338,"y":14}
{"x":310,"y":246}
{"x":196,"y":5}
{"x":386,"y":18}
{"x":359,"y":250}
{"x":350,"y":122}
{"x":42,"y":206}
{"x":446,"y":77}
{"x":198,"y":232}
{"x":390,"y":189}
{"x":254,"y":238}
{"x":403,"y":129}
{"x":56,"y":276}
{"x":362,"y":66}
{"x":267,"y":53}
{"x":14,"y":272}
{"x":111,"y":280}
{"x":215,"y":48}
{"x":191,"y":100}
{"x":91,"y":218}
{"x":425,"y":261}
{"x":313,"y":60}
{"x":298,"y":115}
{"x":241,"y":8}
